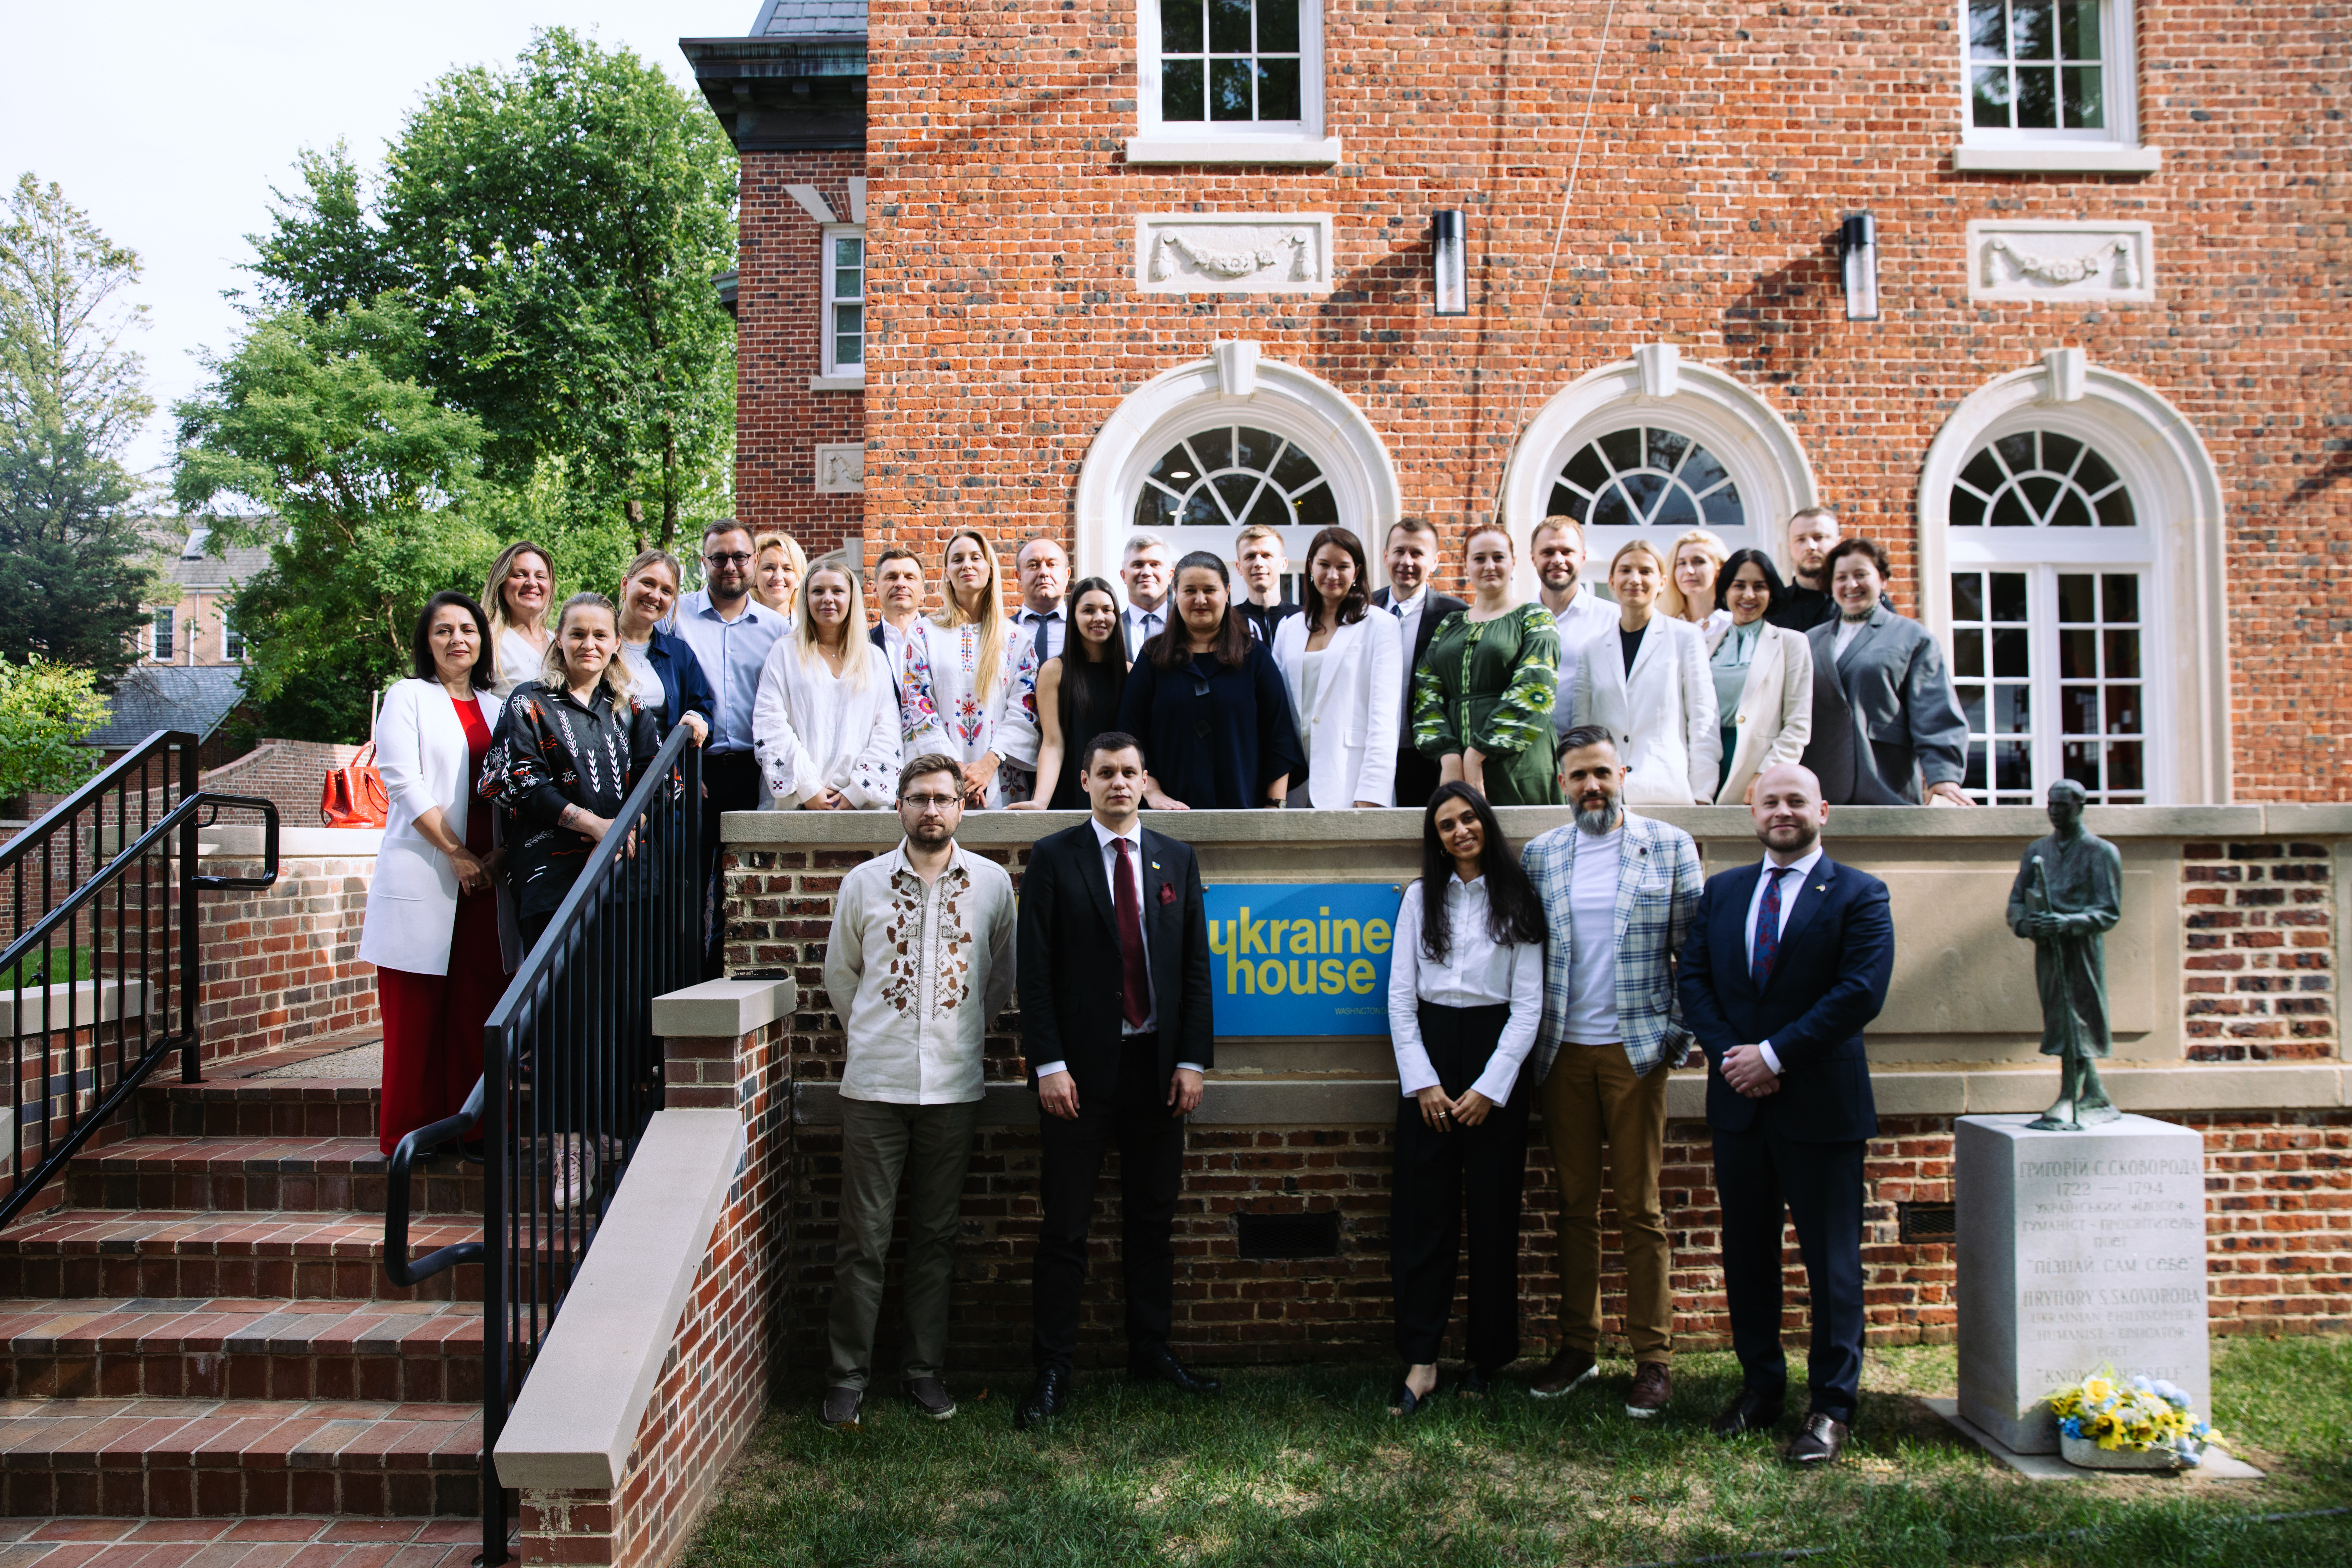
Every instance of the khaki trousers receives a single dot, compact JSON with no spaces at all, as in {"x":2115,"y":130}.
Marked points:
{"x":931,"y":1146}
{"x":1593,"y":1095}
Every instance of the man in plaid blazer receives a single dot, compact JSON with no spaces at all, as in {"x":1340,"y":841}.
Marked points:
{"x":1619,"y":891}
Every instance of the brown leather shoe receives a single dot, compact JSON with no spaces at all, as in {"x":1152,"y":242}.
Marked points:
{"x":1653,"y":1387}
{"x":1565,"y":1371}
{"x":930,"y":1397}
{"x":841,"y":1405}
{"x":1821,"y":1441}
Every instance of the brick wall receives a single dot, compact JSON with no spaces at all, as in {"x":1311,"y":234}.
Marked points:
{"x":715,"y":1382}
{"x":290,"y":772}
{"x":2259,"y":984}
{"x":2279,"y":1205}
{"x":779,"y":302}
{"x":1727,"y":142}
{"x":281,"y":966}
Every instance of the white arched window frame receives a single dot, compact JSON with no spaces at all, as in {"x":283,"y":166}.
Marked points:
{"x":2176,"y":546}
{"x":1658,"y":389}
{"x":1235,"y":386}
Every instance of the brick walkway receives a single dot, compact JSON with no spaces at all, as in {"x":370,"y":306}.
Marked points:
{"x":284,"y":1542}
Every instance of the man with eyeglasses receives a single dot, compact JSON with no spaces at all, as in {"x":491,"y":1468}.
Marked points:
{"x":920,"y":960}
{"x":731,"y":633}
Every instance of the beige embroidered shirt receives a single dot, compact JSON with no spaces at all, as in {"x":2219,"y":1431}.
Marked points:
{"x":917,"y":972}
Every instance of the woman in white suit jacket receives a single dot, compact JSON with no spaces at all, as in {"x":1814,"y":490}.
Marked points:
{"x":1763,"y":676}
{"x":1343,"y":663}
{"x":1660,"y":705}
{"x":432,"y":928}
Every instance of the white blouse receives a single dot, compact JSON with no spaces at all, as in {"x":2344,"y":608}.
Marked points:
{"x":517,"y":661}
{"x":942,"y":709}
{"x":1478,"y":973}
{"x":645,"y":680}
{"x":813,"y":730}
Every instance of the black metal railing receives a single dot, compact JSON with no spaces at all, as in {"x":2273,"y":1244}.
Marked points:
{"x":99,"y":972}
{"x":572,"y":1073}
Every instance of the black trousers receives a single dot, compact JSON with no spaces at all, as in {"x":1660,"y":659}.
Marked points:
{"x":1760,"y":1174}
{"x":1150,"y":1144}
{"x":730,"y":782}
{"x":1438,"y":1176}
{"x":1416,"y":778}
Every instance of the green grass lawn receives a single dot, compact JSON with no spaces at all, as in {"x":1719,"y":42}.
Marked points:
{"x":60,"y":961}
{"x":1307,"y":1466}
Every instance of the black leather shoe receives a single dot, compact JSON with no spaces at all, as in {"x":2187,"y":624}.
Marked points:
{"x":1753,"y":1411}
{"x":1162,"y":1366}
{"x":1047,"y":1398}
{"x":1473,"y":1384}
{"x":1821,"y":1441}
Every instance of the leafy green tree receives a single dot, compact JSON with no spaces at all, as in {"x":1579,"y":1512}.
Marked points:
{"x":73,"y":567}
{"x":46,"y":711}
{"x":555,"y":228}
{"x":358,"y":481}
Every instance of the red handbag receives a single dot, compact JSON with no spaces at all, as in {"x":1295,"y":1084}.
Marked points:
{"x":353,"y":795}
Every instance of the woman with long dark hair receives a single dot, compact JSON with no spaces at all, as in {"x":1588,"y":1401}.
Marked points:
{"x":1465,"y":996}
{"x":1208,"y":703}
{"x":1078,"y":692}
{"x":1763,"y":677}
{"x":1345,"y":673}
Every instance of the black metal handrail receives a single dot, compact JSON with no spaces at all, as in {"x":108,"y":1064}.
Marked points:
{"x":571,"y":1070}
{"x":65,"y":1083}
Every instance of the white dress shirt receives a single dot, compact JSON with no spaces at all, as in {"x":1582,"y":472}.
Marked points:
{"x":1141,"y":625}
{"x":1591,"y":1018}
{"x":1478,"y":973}
{"x":917,"y":971}
{"x":1799,"y":869}
{"x":1408,"y":615}
{"x":1846,"y":632}
{"x":1586,"y":616}
{"x":1046,"y":628}
{"x":1106,"y":838}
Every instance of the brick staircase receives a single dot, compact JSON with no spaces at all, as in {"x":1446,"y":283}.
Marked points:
{"x":200,"y":1329}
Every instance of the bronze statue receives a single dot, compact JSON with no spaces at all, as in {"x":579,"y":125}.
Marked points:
{"x":2067,"y":897}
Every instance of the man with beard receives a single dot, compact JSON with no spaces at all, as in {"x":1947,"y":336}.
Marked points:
{"x":1788,"y":962}
{"x":1806,"y":603}
{"x":1618,"y":891}
{"x":1557,"y":547}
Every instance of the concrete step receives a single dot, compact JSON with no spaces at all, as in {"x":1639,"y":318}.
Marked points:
{"x":260,"y":1108}
{"x":286,"y":1256}
{"x":259,"y":1174}
{"x":158,"y":1347}
{"x":176,"y":1459}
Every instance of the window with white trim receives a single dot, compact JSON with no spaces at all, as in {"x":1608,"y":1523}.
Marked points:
{"x":2047,"y":81}
{"x":1207,"y":487}
{"x":843,"y":323}
{"x":232,"y":639}
{"x":1229,"y":81}
{"x":160,"y":636}
{"x":2051,"y":575}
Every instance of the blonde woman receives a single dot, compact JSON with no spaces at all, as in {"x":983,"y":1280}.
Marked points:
{"x":1646,"y":682}
{"x":516,"y":596}
{"x":968,"y":682}
{"x":1693,"y":564}
{"x":778,"y":565}
{"x":825,"y":725}
{"x":663,"y":672}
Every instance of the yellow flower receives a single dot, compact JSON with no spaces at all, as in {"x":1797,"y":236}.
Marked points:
{"x":2096,"y":1389}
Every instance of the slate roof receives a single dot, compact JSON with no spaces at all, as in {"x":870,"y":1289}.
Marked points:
{"x":208,"y":572}
{"x":809,"y":18}
{"x":151,"y":697}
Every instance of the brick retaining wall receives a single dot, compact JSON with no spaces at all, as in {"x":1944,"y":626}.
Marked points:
{"x":281,"y":966}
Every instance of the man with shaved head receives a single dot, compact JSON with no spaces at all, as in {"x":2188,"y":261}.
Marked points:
{"x":1788,"y":961}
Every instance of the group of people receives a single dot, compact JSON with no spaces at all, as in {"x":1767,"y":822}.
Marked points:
{"x":1556,"y":984}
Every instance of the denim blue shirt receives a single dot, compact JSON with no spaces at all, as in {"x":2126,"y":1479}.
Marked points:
{"x":731,"y":654}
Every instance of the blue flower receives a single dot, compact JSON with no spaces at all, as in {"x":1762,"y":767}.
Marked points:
{"x":2072,"y":1426}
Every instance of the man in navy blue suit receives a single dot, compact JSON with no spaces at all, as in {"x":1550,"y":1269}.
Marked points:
{"x":1787,"y":959}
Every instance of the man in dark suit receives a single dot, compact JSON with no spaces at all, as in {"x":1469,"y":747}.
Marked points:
{"x":1114,"y":1023}
{"x":1787,"y":959}
{"x":1411,"y":557}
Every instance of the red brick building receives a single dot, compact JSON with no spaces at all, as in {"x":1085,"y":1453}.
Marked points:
{"x":1001,"y":246}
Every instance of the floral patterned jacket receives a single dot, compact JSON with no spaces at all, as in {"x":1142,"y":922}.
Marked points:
{"x":551,"y":751}
{"x":943,"y":707}
{"x":917,"y":972}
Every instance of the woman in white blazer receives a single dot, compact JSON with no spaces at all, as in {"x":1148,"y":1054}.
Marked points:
{"x":1344,"y":666}
{"x":1763,"y":677}
{"x":432,"y":929}
{"x":1646,"y":682}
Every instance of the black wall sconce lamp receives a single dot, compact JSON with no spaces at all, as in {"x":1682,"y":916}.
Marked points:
{"x":1450,"y":257}
{"x":1858,"y":258}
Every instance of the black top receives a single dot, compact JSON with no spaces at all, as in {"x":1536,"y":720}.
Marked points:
{"x":552,"y":752}
{"x":1086,"y":683}
{"x":1213,"y":736}
{"x":1263,"y":618}
{"x":1632,"y":643}
{"x":1800,"y":609}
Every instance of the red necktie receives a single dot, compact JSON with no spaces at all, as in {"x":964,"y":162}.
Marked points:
{"x":1768,"y":929}
{"x":1135,"y":993}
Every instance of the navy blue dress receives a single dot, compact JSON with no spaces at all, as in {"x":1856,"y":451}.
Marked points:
{"x":1216,"y":737}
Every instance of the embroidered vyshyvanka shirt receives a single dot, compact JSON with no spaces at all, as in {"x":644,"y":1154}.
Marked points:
{"x":916,"y":972}
{"x":944,"y":706}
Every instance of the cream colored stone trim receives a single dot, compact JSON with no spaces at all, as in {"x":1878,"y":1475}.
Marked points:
{"x":242,"y":841}
{"x":2087,"y":158}
{"x":578,"y":1416}
{"x":1318,"y":151}
{"x":723,"y":1009}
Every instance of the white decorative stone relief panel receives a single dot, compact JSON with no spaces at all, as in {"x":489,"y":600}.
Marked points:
{"x":2061,"y":261}
{"x":1237,"y":253}
{"x":841,"y":469}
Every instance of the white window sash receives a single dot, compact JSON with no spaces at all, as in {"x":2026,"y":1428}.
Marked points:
{"x":830,"y":297}
{"x":2118,"y":81}
{"x":1231,"y":140}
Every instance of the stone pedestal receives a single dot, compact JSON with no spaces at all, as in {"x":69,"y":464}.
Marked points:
{"x":2076,"y":1249}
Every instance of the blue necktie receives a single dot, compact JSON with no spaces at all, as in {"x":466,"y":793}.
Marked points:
{"x":1767,"y":928}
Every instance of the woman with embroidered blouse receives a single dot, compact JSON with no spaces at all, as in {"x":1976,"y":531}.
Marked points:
{"x":1482,"y":695}
{"x":968,"y":682}
{"x":826,"y":724}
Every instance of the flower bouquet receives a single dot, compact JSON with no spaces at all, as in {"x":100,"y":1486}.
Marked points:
{"x":2109,"y":1423}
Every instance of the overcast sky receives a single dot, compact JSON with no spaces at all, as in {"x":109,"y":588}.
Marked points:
{"x":169,"y":122}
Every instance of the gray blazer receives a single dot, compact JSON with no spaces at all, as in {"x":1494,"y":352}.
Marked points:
{"x":1892,"y":675}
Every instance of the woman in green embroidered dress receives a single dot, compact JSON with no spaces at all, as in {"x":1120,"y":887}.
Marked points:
{"x":1482,"y":697}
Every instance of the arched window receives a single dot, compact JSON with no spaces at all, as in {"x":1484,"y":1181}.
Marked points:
{"x":1229,"y":475}
{"x":1648,"y":478}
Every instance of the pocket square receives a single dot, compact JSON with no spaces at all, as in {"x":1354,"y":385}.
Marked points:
{"x":1167,"y":892}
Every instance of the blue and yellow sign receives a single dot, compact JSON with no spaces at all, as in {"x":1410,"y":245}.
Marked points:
{"x":1292,"y":958}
